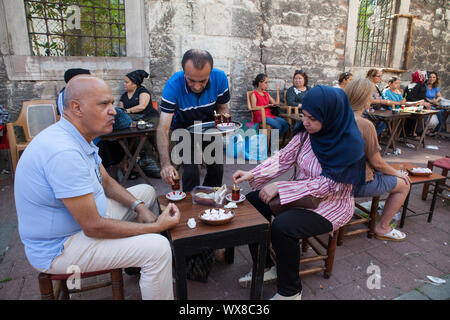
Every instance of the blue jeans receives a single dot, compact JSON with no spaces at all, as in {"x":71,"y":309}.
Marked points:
{"x":278,"y":123}
{"x":380,"y":126}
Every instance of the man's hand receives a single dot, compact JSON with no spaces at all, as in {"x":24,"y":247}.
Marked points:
{"x":241,"y":176}
{"x":144,"y":215}
{"x":169,"y":218}
{"x":167,"y":174}
{"x":269,"y":192}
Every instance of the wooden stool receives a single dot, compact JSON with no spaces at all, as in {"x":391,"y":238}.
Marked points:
{"x":444,"y":164}
{"x":327,"y":256}
{"x":326,"y":253}
{"x":46,"y":285}
{"x":357,"y":219}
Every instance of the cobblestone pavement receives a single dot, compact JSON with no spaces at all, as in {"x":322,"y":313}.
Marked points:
{"x":403,"y":266}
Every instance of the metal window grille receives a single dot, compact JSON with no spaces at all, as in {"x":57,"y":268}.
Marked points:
{"x":373,"y":42}
{"x":76,"y":28}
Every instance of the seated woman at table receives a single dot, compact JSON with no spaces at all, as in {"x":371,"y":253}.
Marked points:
{"x":138,"y":104}
{"x":433,"y":96}
{"x":381,"y":178}
{"x":394,"y":93}
{"x":327,"y":151}
{"x":344,"y":79}
{"x":295,"y":94}
{"x":377,"y":102}
{"x":136,"y":99}
{"x":260,"y":97}
{"x":416,"y":91}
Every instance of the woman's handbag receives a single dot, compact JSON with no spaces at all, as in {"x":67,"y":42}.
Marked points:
{"x":121,"y":120}
{"x":307,"y":202}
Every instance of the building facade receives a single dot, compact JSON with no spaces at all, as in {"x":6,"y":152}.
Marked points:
{"x":245,"y":37}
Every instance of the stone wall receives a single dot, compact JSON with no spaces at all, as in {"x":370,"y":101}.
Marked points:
{"x":247,"y":37}
{"x":430,"y":48}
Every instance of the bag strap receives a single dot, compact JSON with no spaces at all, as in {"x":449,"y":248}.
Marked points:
{"x":298,"y":152}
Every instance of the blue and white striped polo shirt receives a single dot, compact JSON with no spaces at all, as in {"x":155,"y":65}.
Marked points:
{"x":188,"y":106}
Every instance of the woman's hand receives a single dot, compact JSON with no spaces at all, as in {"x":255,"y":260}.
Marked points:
{"x":241,"y":176}
{"x":404,"y":176}
{"x":269,"y":192}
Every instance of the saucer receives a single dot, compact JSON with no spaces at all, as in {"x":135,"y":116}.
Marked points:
{"x":176,"y":195}
{"x":225,"y":126}
{"x":228,"y":197}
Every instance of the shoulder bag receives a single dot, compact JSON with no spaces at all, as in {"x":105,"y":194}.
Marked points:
{"x":306,"y":202}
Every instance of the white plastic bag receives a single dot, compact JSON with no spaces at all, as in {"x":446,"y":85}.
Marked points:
{"x":434,"y":121}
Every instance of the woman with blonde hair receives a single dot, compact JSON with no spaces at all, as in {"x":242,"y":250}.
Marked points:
{"x":380,"y":176}
{"x":377,"y":102}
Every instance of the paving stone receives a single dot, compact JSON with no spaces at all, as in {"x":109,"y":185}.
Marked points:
{"x":403,"y":265}
{"x":412,"y":295}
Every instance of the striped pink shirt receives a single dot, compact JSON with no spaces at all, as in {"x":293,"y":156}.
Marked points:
{"x":337,"y":205}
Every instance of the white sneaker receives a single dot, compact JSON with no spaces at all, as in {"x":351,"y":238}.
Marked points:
{"x":278,"y":296}
{"x":269,"y":276}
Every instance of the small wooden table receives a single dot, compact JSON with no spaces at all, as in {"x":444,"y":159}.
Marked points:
{"x":248,"y":226}
{"x":121,"y":137}
{"x":434,"y":177}
{"x":394,"y":121}
{"x":421,"y":116}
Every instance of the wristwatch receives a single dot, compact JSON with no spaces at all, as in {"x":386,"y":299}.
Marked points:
{"x":135,"y":204}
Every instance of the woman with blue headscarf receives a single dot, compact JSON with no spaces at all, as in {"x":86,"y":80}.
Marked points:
{"x":327,"y":151}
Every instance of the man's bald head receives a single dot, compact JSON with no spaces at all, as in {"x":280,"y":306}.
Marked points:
{"x":81,"y":86}
{"x":89,"y":106}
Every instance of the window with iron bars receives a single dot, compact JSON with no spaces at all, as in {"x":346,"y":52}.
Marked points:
{"x":76,"y":28}
{"x":374,"y":34}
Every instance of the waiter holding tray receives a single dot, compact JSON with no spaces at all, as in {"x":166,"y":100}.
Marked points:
{"x":193,"y":94}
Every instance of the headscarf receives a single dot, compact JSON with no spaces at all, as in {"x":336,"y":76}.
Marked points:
{"x":70,"y":73}
{"x":137,"y":76}
{"x":418,"y":77}
{"x":338,"y":146}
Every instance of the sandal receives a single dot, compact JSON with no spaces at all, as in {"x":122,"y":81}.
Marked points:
{"x":393,"y":235}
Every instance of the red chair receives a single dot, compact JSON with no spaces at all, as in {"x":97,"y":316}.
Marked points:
{"x":444,"y":164}
{"x":47,"y":292}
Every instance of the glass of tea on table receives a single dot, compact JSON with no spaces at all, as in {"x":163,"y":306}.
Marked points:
{"x":235,"y":193}
{"x":217,"y":119}
{"x":176,"y":182}
{"x":226,"y":117}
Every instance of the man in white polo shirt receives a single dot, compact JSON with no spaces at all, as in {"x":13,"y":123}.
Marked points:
{"x":71,"y":212}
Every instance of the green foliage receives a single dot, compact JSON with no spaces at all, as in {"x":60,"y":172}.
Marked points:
{"x":101,"y":33}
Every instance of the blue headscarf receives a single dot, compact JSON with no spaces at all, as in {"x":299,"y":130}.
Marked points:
{"x":338,"y":146}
